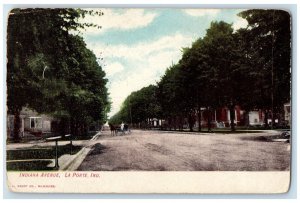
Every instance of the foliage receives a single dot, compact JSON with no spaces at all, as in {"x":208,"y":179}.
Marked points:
{"x":268,"y":42}
{"x":139,"y":106}
{"x":50,"y":70}
{"x":249,"y":67}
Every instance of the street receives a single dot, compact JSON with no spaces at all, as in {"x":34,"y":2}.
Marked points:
{"x":178,"y":151}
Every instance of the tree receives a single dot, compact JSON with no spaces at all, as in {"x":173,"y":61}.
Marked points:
{"x":227,"y":68}
{"x":170,"y":96}
{"x":268,"y":38}
{"x":218,"y":43}
{"x":87,"y":97}
{"x":42,"y":57}
{"x":209,"y":77}
{"x":139,"y":106}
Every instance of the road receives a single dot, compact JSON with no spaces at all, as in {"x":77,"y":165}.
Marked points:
{"x":174,"y":151}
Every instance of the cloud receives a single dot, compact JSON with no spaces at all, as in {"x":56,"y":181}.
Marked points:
{"x":122,"y":19}
{"x":202,"y":12}
{"x":143,"y":49}
{"x":239,"y":23}
{"x":142,"y":63}
{"x":113,"y":68}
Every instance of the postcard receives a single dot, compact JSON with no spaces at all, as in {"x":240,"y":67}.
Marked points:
{"x":148,"y":100}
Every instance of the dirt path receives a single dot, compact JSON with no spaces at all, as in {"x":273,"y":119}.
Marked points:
{"x":169,"y":151}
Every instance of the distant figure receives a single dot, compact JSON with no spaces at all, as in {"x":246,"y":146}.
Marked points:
{"x":113,"y":129}
{"x":126,"y":128}
{"x":122,"y":127}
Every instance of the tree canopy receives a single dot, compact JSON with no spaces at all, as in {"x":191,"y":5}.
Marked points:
{"x":249,"y":67}
{"x":50,"y":70}
{"x":139,"y":106}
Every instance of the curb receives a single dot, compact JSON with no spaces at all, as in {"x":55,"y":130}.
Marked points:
{"x":72,"y":164}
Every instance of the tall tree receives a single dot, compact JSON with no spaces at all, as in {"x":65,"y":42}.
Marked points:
{"x":210,"y":77}
{"x":139,"y":106}
{"x":249,"y":67}
{"x":170,"y":91}
{"x":42,"y":57}
{"x":269,"y":51}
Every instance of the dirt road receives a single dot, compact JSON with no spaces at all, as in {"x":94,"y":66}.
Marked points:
{"x":174,"y":151}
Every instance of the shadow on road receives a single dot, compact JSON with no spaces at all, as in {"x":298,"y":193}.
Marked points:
{"x":97,"y":149}
{"x":269,"y":138}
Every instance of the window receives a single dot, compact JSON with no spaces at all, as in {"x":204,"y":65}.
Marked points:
{"x":35,"y":122}
{"x":32,"y":123}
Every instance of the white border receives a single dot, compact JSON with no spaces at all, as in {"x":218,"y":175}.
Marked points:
{"x":159,"y":3}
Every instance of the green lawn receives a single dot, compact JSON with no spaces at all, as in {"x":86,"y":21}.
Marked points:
{"x":33,"y":159}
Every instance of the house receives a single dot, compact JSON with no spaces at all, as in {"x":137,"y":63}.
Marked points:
{"x":256,"y":118}
{"x":32,"y":123}
{"x":287,"y":113}
{"x":220,"y":117}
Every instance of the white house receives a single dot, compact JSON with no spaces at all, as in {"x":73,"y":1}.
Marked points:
{"x":31,"y":122}
{"x":255,"y":118}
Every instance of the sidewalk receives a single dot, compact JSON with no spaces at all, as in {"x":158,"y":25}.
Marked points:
{"x":18,"y":146}
{"x":72,"y":162}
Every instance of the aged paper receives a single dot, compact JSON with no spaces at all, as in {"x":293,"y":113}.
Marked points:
{"x":150,"y":182}
{"x":153,"y":100}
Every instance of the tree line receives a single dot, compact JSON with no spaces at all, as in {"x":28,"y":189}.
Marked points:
{"x":51,"y":70}
{"x":250,"y":67}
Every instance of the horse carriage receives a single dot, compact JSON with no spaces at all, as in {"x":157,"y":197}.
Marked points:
{"x":121,"y":130}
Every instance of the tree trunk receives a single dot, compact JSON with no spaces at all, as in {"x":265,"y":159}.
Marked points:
{"x":72,"y":126}
{"x":274,"y":113}
{"x":64,"y":126}
{"x":75,"y":128}
{"x":181,"y":122}
{"x":266,"y":119}
{"x":208,"y":120}
{"x":246,"y":118}
{"x":190,"y":121}
{"x":232,"y":116}
{"x":80,"y":128}
{"x":173,"y":123}
{"x":86,"y":129}
{"x":199,"y":119}
{"x":17,"y":126}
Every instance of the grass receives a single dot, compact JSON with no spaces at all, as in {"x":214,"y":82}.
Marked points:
{"x":36,"y":158}
{"x":36,"y":165}
{"x":236,"y":131}
{"x":227,"y":130}
{"x":87,"y":136}
{"x":218,"y":130}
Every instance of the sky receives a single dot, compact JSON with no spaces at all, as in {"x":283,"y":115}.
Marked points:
{"x":136,"y":46}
